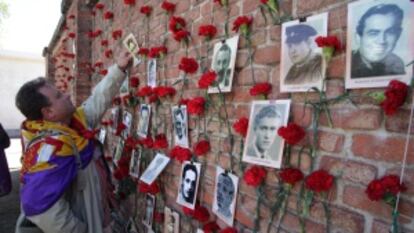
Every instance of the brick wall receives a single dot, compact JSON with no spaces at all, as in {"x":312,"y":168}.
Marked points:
{"x":362,"y":145}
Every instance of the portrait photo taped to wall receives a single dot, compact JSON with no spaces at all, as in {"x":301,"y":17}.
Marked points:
{"x":152,"y":73}
{"x":149,"y":210}
{"x":223,"y":63}
{"x":144,"y":120}
{"x":134,"y":164}
{"x":127,"y":121}
{"x":155,"y":168}
{"x":302,"y":65}
{"x":131,"y":44}
{"x":187,"y":192}
{"x":180,"y":125}
{"x":119,"y":148}
{"x":379,"y":43}
{"x":263,"y":146}
{"x":172,"y":221}
{"x":225,"y":195}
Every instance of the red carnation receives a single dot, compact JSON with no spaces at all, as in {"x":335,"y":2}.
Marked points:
{"x":292,"y":133}
{"x":163,"y":91}
{"x":144,"y":91}
{"x":134,"y":82}
{"x":182,"y":36}
{"x":188,"y":65}
{"x":241,"y":125}
{"x":160,"y":142}
{"x":98,"y":64}
{"x":392,"y":184}
{"x":261,"y":89}
{"x":108,"y":53}
{"x":187,"y":211}
{"x":121,"y":126}
{"x":176,"y":24}
{"x":183,"y":101}
{"x":116,"y":100}
{"x":147,"y":142}
{"x":207,"y":79}
{"x":153,"y":98}
{"x":103,"y":72}
{"x":129,"y":2}
{"x":242,"y":23}
{"x":99,"y":6}
{"x":375,"y":190}
{"x":158,"y":52}
{"x":159,"y":217}
{"x":130,"y":143}
{"x":72,"y":35}
{"x":201,"y":214}
{"x":152,"y":188}
{"x":146,"y":10}
{"x":108,"y":15}
{"x":202,"y":147}
{"x":117,"y":34}
{"x":229,"y":230}
{"x":291,"y":175}
{"x":143,"y":52}
{"x":181,"y":154}
{"x":211,"y":227}
{"x":168,"y":6}
{"x":328,"y":41}
{"x":222,"y":2}
{"x":196,"y":106}
{"x":386,"y":188}
{"x":255,"y":176}
{"x":395,"y":96}
{"x":208,"y":31}
{"x":319,"y":181}
{"x":104,"y":43}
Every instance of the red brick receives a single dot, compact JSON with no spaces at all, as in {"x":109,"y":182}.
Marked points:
{"x":356,"y":172}
{"x":267,"y":55}
{"x":356,"y":197}
{"x":382,"y":148}
{"x":353,"y":118}
{"x":301,"y":114}
{"x":249,"y":6}
{"x":399,"y":122}
{"x":382,"y":227}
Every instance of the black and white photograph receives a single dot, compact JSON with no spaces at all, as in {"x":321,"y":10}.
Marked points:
{"x":223,"y":63}
{"x":199,"y":231}
{"x":124,"y":89}
{"x":180,"y":123}
{"x":152,"y":72}
{"x":144,"y":120}
{"x":172,"y":221}
{"x":134,"y":164}
{"x":119,"y":148}
{"x":102,"y":136}
{"x":301,"y":64}
{"x":379,"y":43}
{"x":127,"y":121}
{"x":115,"y":112}
{"x":225,"y":195}
{"x":131,"y":44}
{"x":263,"y":146}
{"x":155,"y":168}
{"x":187,"y":192}
{"x":131,"y":226}
{"x":149,"y":210}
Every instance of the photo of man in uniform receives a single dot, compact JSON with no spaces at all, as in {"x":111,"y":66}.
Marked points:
{"x":152,"y":73}
{"x":180,"y":125}
{"x":188,"y":187}
{"x":306,"y":63}
{"x":377,"y":33}
{"x":149,"y":210}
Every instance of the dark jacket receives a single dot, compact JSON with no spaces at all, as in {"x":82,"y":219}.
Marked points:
{"x":5,"y":180}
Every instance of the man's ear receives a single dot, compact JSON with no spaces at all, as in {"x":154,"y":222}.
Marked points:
{"x":47,"y":113}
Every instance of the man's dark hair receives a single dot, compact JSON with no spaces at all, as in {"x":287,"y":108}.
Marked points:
{"x":189,"y":167}
{"x":30,"y":101}
{"x":178,"y":112}
{"x":225,"y":48}
{"x":382,"y":9}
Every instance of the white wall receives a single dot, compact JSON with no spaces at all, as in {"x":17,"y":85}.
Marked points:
{"x":15,"y":69}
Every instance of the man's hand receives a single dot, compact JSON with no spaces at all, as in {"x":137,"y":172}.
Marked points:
{"x":124,"y":60}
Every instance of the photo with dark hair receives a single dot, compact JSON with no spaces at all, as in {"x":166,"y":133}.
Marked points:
{"x":144,"y":120}
{"x":180,"y":125}
{"x":378,"y":43}
{"x":187,"y":193}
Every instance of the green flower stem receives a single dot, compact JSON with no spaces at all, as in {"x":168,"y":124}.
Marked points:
{"x":327,"y":212}
{"x":242,"y":167}
{"x":250,"y":49}
{"x":259,"y":192}
{"x":226,"y":22}
{"x":280,"y":203}
{"x":395,"y":226}
{"x":227,"y":122}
